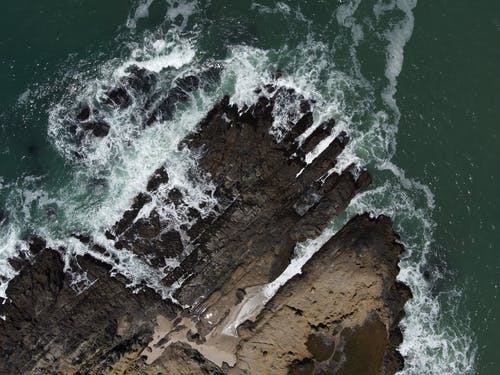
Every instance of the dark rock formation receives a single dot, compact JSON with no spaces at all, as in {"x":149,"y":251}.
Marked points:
{"x":98,"y":128}
{"x":340,"y":314}
{"x":180,"y":92}
{"x":49,"y":328}
{"x":138,"y":81}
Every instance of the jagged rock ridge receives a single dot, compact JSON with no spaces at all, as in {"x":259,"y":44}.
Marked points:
{"x":342,"y":313}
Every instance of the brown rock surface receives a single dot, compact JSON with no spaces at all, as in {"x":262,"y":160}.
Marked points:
{"x":339,"y":315}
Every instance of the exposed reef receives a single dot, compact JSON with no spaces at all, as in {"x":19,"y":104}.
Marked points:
{"x":339,"y":316}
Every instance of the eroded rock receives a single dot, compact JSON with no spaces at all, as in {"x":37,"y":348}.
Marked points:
{"x":269,"y":200}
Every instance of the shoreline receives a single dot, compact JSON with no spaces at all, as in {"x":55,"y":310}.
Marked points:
{"x":242,"y":271}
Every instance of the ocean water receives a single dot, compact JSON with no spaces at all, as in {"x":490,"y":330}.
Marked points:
{"x":415,"y":86}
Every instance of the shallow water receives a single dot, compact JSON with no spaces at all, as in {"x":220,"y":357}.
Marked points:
{"x":414,"y":86}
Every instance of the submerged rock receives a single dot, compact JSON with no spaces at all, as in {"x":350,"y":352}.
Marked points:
{"x":138,"y":87}
{"x":159,"y":177}
{"x":340,"y":315}
{"x":180,"y":93}
{"x":84,"y":113}
{"x":98,"y":128}
{"x":117,"y":97}
{"x":138,"y":81}
{"x":4,"y":218}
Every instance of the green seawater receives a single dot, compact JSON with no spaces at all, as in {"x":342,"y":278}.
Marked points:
{"x":443,"y":135}
{"x":449,"y":138}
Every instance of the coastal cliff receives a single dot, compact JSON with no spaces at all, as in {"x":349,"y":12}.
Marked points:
{"x":236,"y":307}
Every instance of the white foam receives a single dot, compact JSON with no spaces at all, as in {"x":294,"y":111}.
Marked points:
{"x":282,"y":9}
{"x":129,"y":176}
{"x":381,"y":7}
{"x":128,"y":156}
{"x":141,"y":11}
{"x":398,"y":36}
{"x":176,"y":9}
{"x":428,"y":347}
{"x":171,"y":54}
{"x":10,"y":247}
{"x":24,"y":97}
{"x":246,"y":68}
{"x":346,"y":11}
{"x":183,"y":9}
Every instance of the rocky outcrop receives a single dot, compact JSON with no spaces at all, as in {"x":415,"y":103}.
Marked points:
{"x":49,"y":328}
{"x":340,"y":316}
